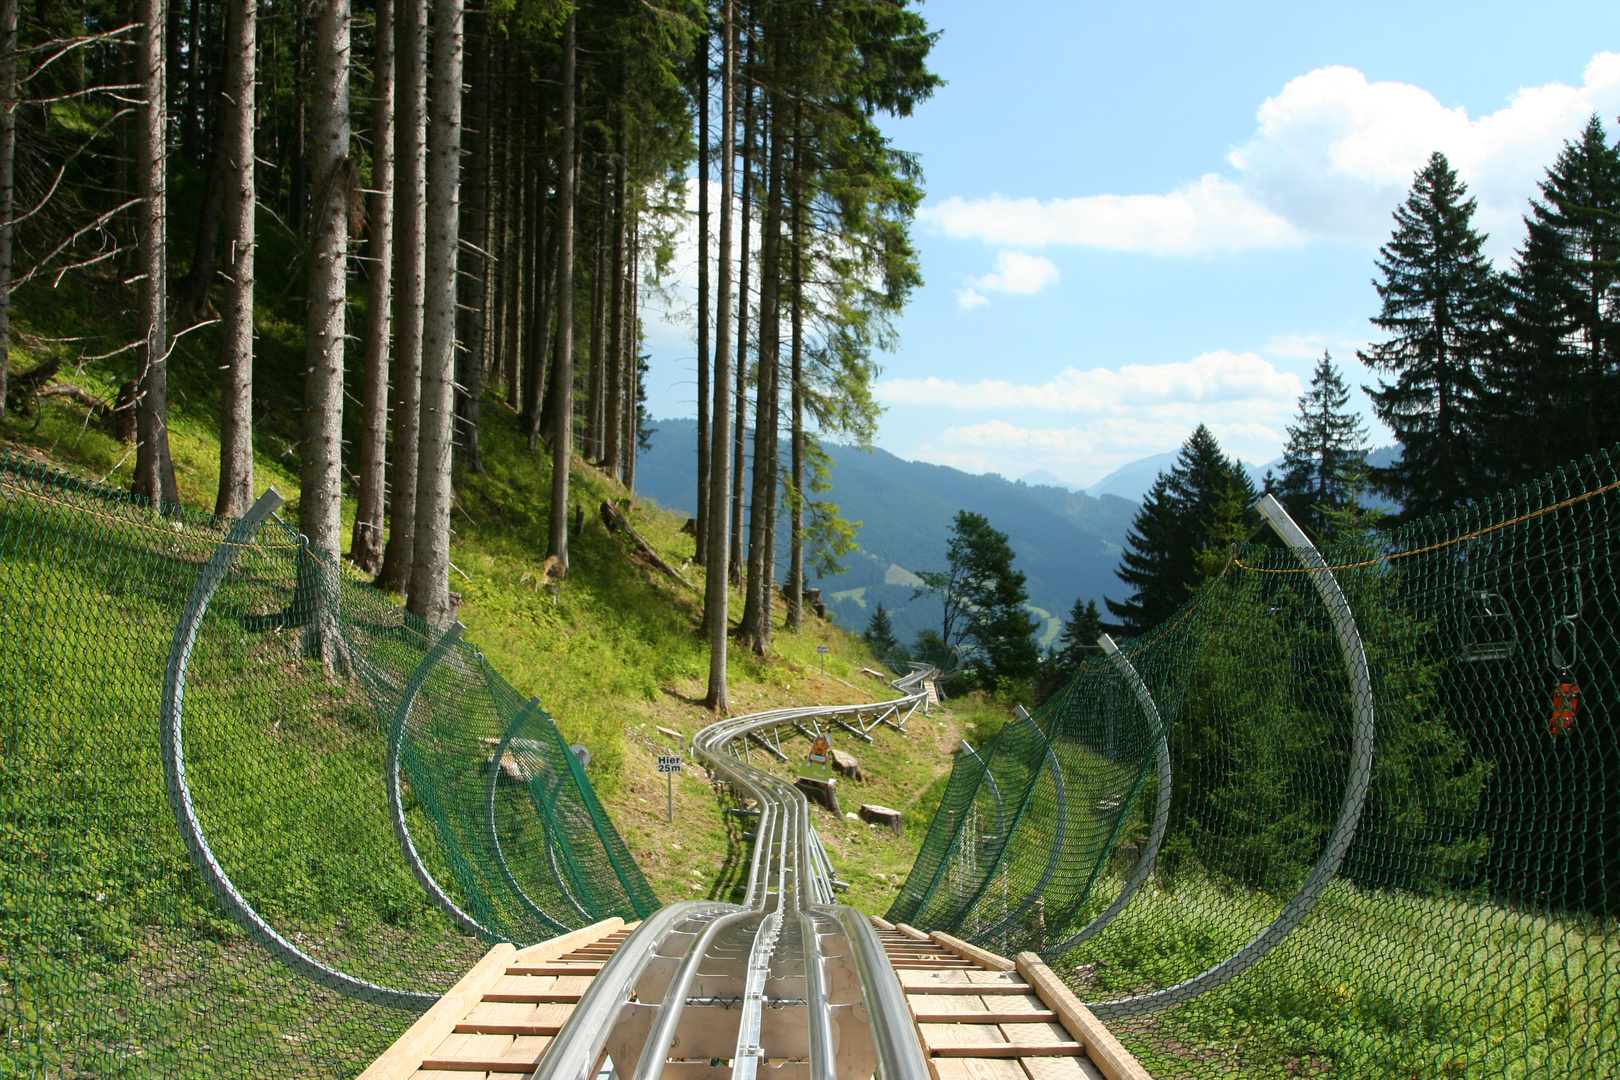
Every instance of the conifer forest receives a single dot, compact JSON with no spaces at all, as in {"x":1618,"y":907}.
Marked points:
{"x":358,"y":227}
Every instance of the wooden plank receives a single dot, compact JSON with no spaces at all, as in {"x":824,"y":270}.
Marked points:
{"x":980,"y":1016}
{"x":1036,"y":1033}
{"x":960,"y":988}
{"x":1105,"y":1051}
{"x":566,"y":943}
{"x":911,"y":932}
{"x":405,"y":1056}
{"x":881,"y":924}
{"x":460,"y":1067}
{"x":1008,"y":1050}
{"x":519,"y":997}
{"x":1059,"y":1068}
{"x":953,"y":1034}
{"x":495,"y":1027}
{"x":487,"y":1054}
{"x":494,"y":1014}
{"x":976,"y":1068}
{"x":968,"y":951}
{"x":553,"y":969}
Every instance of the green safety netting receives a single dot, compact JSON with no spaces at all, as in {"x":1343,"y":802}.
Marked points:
{"x":286,"y":935}
{"x":1354,"y":816}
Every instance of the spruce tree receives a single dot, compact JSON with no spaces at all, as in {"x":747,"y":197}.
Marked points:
{"x":1555,"y":387}
{"x":984,"y":600}
{"x":1325,"y":454}
{"x":1080,"y":633}
{"x":1160,"y":563}
{"x":879,"y":636}
{"x":1440,"y":304}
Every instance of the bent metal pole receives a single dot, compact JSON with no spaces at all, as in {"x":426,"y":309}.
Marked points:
{"x":1161,"y":814}
{"x":171,"y":735}
{"x":1355,"y":788}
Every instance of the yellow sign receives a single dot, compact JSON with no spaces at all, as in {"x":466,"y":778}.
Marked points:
{"x":819,"y":764}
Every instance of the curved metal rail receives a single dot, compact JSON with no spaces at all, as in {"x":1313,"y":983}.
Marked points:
{"x":1355,"y":788}
{"x":171,"y":734}
{"x":1161,"y":814}
{"x":809,"y":975}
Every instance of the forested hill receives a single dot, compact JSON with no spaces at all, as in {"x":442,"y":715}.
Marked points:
{"x":1068,"y":543}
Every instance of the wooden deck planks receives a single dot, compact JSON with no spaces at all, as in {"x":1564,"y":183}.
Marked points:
{"x":984,"y":1017}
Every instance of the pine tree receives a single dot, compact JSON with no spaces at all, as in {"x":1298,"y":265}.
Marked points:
{"x":983,"y":597}
{"x":1440,"y":302}
{"x":1325,"y":454}
{"x":1161,"y":562}
{"x":1081,"y":629}
{"x":1554,"y":388}
{"x":879,"y":636}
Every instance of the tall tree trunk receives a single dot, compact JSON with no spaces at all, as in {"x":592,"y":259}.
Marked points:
{"x":630,"y":363}
{"x":410,"y":266}
{"x":761,"y":584}
{"x":235,"y":161}
{"x":154,"y":470}
{"x":740,"y":432}
{"x":704,"y":403}
{"x":366,"y":546}
{"x":430,"y":570}
{"x":595,"y":408}
{"x":716,"y":583}
{"x":473,"y":282}
{"x":795,"y":611}
{"x":299,"y":180}
{"x":320,"y":502}
{"x":543,"y":262}
{"x":562,"y":379}
{"x":8,"y":161}
{"x":513,"y":251}
{"x":614,"y":454}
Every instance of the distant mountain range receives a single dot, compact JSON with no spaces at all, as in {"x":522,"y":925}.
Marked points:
{"x":1133,"y":480}
{"x":1067,"y":542}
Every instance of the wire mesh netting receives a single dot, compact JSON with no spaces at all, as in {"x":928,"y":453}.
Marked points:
{"x":127,"y":950}
{"x":1355,"y":816}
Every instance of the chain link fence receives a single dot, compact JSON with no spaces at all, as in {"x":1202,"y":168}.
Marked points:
{"x":208,"y":846}
{"x":1354,"y":814}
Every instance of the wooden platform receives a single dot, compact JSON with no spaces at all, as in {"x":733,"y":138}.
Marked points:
{"x":984,"y":1017}
{"x":496,"y":1023}
{"x":981,"y":1017}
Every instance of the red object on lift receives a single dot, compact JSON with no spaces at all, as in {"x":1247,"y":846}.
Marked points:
{"x":1565,"y":699}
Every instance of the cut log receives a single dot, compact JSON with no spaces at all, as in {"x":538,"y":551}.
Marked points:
{"x":894,"y":820}
{"x":615,"y":521}
{"x":824,"y":794}
{"x":845,"y":764}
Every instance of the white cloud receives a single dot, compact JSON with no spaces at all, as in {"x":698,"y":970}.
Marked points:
{"x":1082,"y":454}
{"x":1121,"y":415}
{"x":1015,"y":272}
{"x":969,"y":298}
{"x":1212,"y":214}
{"x":1219,"y":377}
{"x":1331,"y":156}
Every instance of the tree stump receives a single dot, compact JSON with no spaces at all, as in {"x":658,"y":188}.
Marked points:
{"x":894,"y":820}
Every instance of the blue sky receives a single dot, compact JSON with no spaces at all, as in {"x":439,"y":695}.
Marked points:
{"x":1145,"y":216}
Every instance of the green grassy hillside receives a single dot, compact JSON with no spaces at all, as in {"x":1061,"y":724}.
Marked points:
{"x":614,"y":655}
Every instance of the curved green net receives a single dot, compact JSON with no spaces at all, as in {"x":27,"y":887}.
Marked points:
{"x":1468,"y":927}
{"x":116,"y":958}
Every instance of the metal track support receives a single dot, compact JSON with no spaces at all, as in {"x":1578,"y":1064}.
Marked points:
{"x":171,"y":737}
{"x":1355,"y":789}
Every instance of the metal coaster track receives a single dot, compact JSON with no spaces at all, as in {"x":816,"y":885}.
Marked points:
{"x":817,"y":996}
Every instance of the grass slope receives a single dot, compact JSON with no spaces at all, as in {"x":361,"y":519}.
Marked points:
{"x":614,"y":655}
